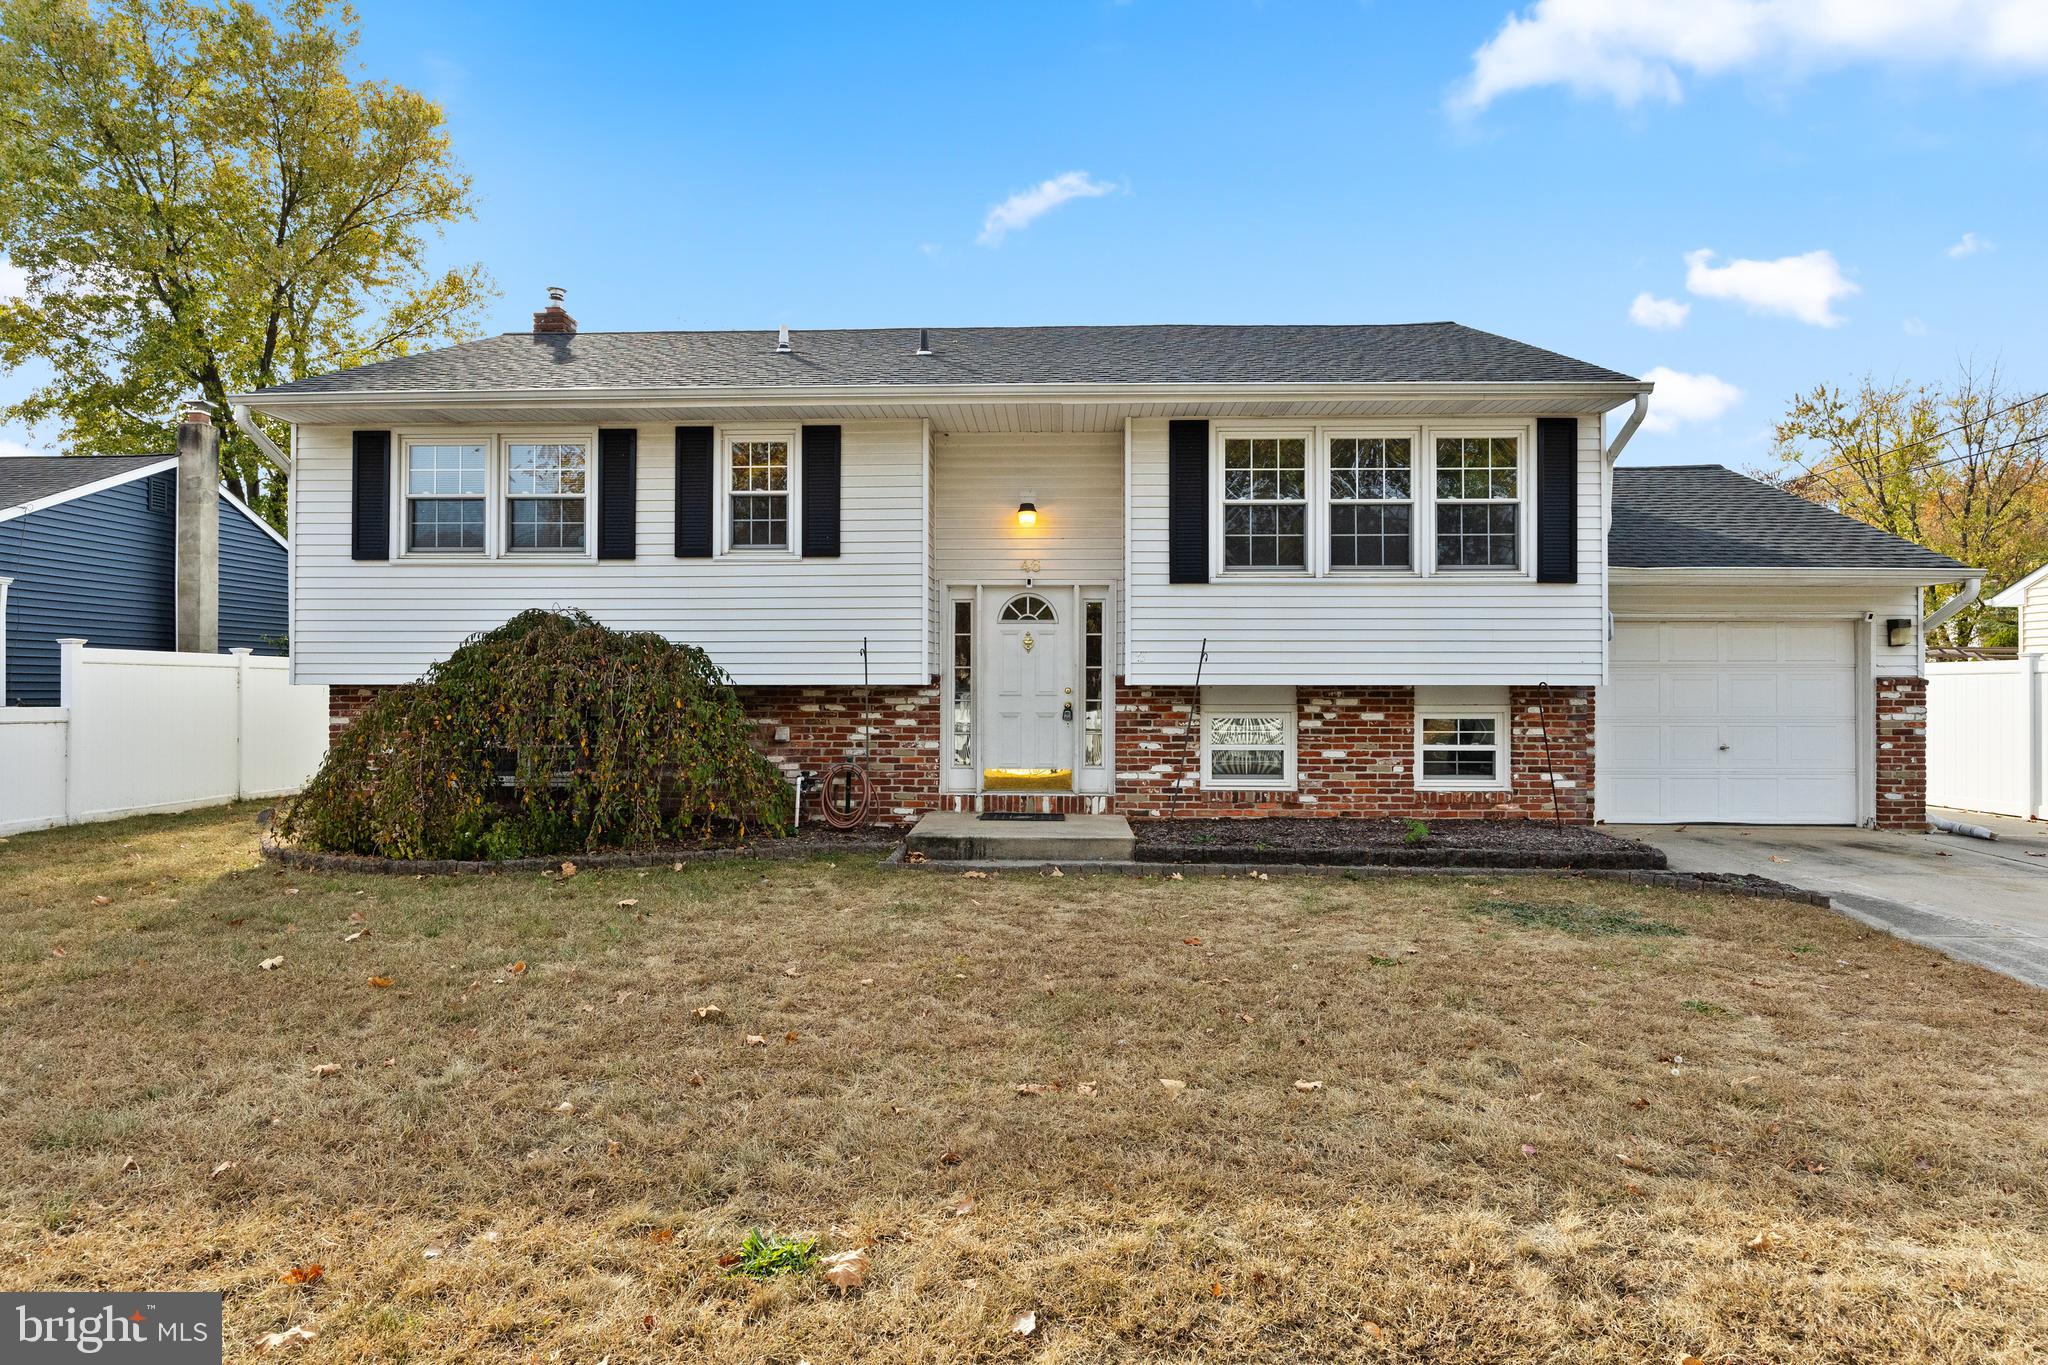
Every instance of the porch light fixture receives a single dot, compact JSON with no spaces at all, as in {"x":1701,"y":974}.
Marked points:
{"x":1898,"y":630}
{"x":1027,"y":513}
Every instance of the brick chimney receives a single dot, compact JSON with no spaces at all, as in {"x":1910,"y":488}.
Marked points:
{"x":554,"y":317}
{"x":198,"y":587}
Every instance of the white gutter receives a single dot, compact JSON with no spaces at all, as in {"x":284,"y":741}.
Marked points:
{"x":1628,"y":428}
{"x":264,"y":445}
{"x":1963,"y":598}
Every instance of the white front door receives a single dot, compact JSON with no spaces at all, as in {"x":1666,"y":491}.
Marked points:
{"x":1750,"y":722}
{"x":1029,"y":713}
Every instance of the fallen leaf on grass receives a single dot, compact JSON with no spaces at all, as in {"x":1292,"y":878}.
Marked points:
{"x":1085,"y":1088}
{"x":102,"y":900}
{"x":1024,"y":1324}
{"x":1175,"y":877}
{"x":1306,"y":1086}
{"x":566,"y":1107}
{"x":381,"y":982}
{"x":271,"y":964}
{"x":58,"y":952}
{"x":516,"y":969}
{"x":950,"y":1158}
{"x":432,"y":1253}
{"x":975,"y":875}
{"x":1763,"y":1244}
{"x":351,"y":938}
{"x":1192,"y":942}
{"x":1172,"y":1087}
{"x":846,"y":1271}
{"x":223,"y":1168}
{"x":756,"y":1040}
{"x":662,"y":1236}
{"x":708,"y":1012}
{"x":1035,"y":1088}
{"x":791,"y":971}
{"x":964,"y":1207}
{"x":790,"y":1036}
{"x":568,"y":869}
{"x":304,"y":1274}
{"x":355,"y":916}
{"x":1528,"y":1149}
{"x":129,"y":1165}
{"x":696,"y":1078}
{"x":290,"y":1336}
{"x":327,"y":1069}
{"x":627,"y":904}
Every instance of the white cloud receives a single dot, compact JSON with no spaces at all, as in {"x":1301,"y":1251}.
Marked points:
{"x":13,"y":280}
{"x":1026,"y":207}
{"x":1803,"y":287}
{"x":1687,"y":398}
{"x":1650,"y":311}
{"x":1635,"y":50}
{"x":1968,"y":245}
{"x":14,"y":449}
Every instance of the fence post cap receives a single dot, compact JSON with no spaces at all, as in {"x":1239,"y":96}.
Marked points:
{"x":240,"y":650}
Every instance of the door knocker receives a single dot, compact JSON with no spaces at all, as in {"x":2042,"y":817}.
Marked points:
{"x":1029,"y":643}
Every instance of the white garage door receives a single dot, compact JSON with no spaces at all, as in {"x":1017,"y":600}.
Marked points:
{"x":1751,"y":722}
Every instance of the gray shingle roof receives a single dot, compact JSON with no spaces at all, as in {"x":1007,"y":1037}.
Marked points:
{"x":1704,"y":516}
{"x":1423,"y":352}
{"x":27,"y":478}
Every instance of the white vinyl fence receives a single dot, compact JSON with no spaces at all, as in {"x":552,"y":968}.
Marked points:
{"x":1987,"y":736}
{"x":144,"y":730}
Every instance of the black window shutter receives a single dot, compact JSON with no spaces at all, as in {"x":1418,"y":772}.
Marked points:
{"x":1557,"y":500}
{"x":695,"y":499}
{"x":370,"y":496}
{"x":617,"y":491}
{"x":1187,"y":502}
{"x":820,"y":493}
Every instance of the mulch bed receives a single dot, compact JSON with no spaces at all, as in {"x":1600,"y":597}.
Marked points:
{"x":1343,"y":842}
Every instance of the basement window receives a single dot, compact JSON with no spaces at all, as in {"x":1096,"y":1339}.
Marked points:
{"x":1248,"y":738}
{"x":1461,"y":749}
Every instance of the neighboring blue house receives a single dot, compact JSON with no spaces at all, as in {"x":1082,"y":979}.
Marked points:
{"x":90,"y":543}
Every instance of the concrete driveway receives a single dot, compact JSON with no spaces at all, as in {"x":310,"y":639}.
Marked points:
{"x":1980,"y":901}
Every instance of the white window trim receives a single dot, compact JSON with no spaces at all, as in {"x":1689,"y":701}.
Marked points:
{"x":726,"y":437}
{"x":497,"y":513}
{"x":1212,"y":704}
{"x":1525,"y":522}
{"x":1312,"y":464}
{"x":1504,"y":771}
{"x":952,"y":776}
{"x":1094,"y":776}
{"x":504,"y":497}
{"x":1417,"y":501}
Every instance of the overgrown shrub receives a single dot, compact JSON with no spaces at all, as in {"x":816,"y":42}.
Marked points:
{"x":550,"y":734}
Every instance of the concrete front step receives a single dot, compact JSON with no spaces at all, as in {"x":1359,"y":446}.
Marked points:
{"x":959,"y":836}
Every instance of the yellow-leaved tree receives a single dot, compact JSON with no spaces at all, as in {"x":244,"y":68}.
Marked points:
{"x":1961,"y":468}
{"x":206,"y":198}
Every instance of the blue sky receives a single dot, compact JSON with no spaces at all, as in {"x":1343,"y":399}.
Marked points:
{"x":752,"y":165}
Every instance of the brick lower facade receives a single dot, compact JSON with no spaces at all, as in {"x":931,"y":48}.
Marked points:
{"x":1355,"y":755}
{"x":1902,"y":753}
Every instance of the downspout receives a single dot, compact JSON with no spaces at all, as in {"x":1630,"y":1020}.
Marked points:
{"x":264,"y":446}
{"x":1621,"y":438}
{"x":1954,"y":604}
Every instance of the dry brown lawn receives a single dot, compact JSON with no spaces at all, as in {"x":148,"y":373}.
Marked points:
{"x":1540,"y":1135}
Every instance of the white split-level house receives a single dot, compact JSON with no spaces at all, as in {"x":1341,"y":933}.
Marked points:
{"x":1341,"y":570}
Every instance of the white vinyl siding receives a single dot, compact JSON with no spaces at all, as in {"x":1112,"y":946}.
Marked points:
{"x":2034,"y":619}
{"x":1077,"y":482}
{"x":1349,"y":628}
{"x":766,"y":619}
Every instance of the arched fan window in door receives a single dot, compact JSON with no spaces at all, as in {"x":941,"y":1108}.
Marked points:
{"x":1027,"y":607}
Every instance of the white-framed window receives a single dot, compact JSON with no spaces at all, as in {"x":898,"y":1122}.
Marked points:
{"x":1248,"y":738}
{"x":547,"y":496}
{"x":1461,"y":748}
{"x":1372,"y":501}
{"x":1478,"y":483}
{"x":760,"y":489}
{"x":446,"y":487}
{"x":1265,"y":501}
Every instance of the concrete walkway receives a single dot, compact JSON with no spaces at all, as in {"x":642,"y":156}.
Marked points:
{"x":1978,"y":901}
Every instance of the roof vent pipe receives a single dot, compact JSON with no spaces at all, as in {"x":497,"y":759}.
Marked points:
{"x":924,"y":342}
{"x":782,"y":346}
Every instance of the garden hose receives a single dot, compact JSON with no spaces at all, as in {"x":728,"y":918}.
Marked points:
{"x":855,"y":794}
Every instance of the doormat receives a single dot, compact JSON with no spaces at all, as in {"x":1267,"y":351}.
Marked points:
{"x":1021,"y":815}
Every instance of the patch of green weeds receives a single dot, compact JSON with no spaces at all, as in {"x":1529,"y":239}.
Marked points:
{"x":761,"y":1258}
{"x":1576,"y":919}
{"x":1703,"y":1007}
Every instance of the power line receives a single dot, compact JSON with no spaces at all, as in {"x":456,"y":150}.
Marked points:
{"x":1943,"y":435}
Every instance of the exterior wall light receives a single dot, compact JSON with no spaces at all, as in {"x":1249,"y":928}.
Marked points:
{"x":1027,"y":513}
{"x":1898,"y":630}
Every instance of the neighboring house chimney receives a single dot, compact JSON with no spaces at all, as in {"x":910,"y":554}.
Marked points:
{"x":554,"y":317}
{"x":198,"y":532}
